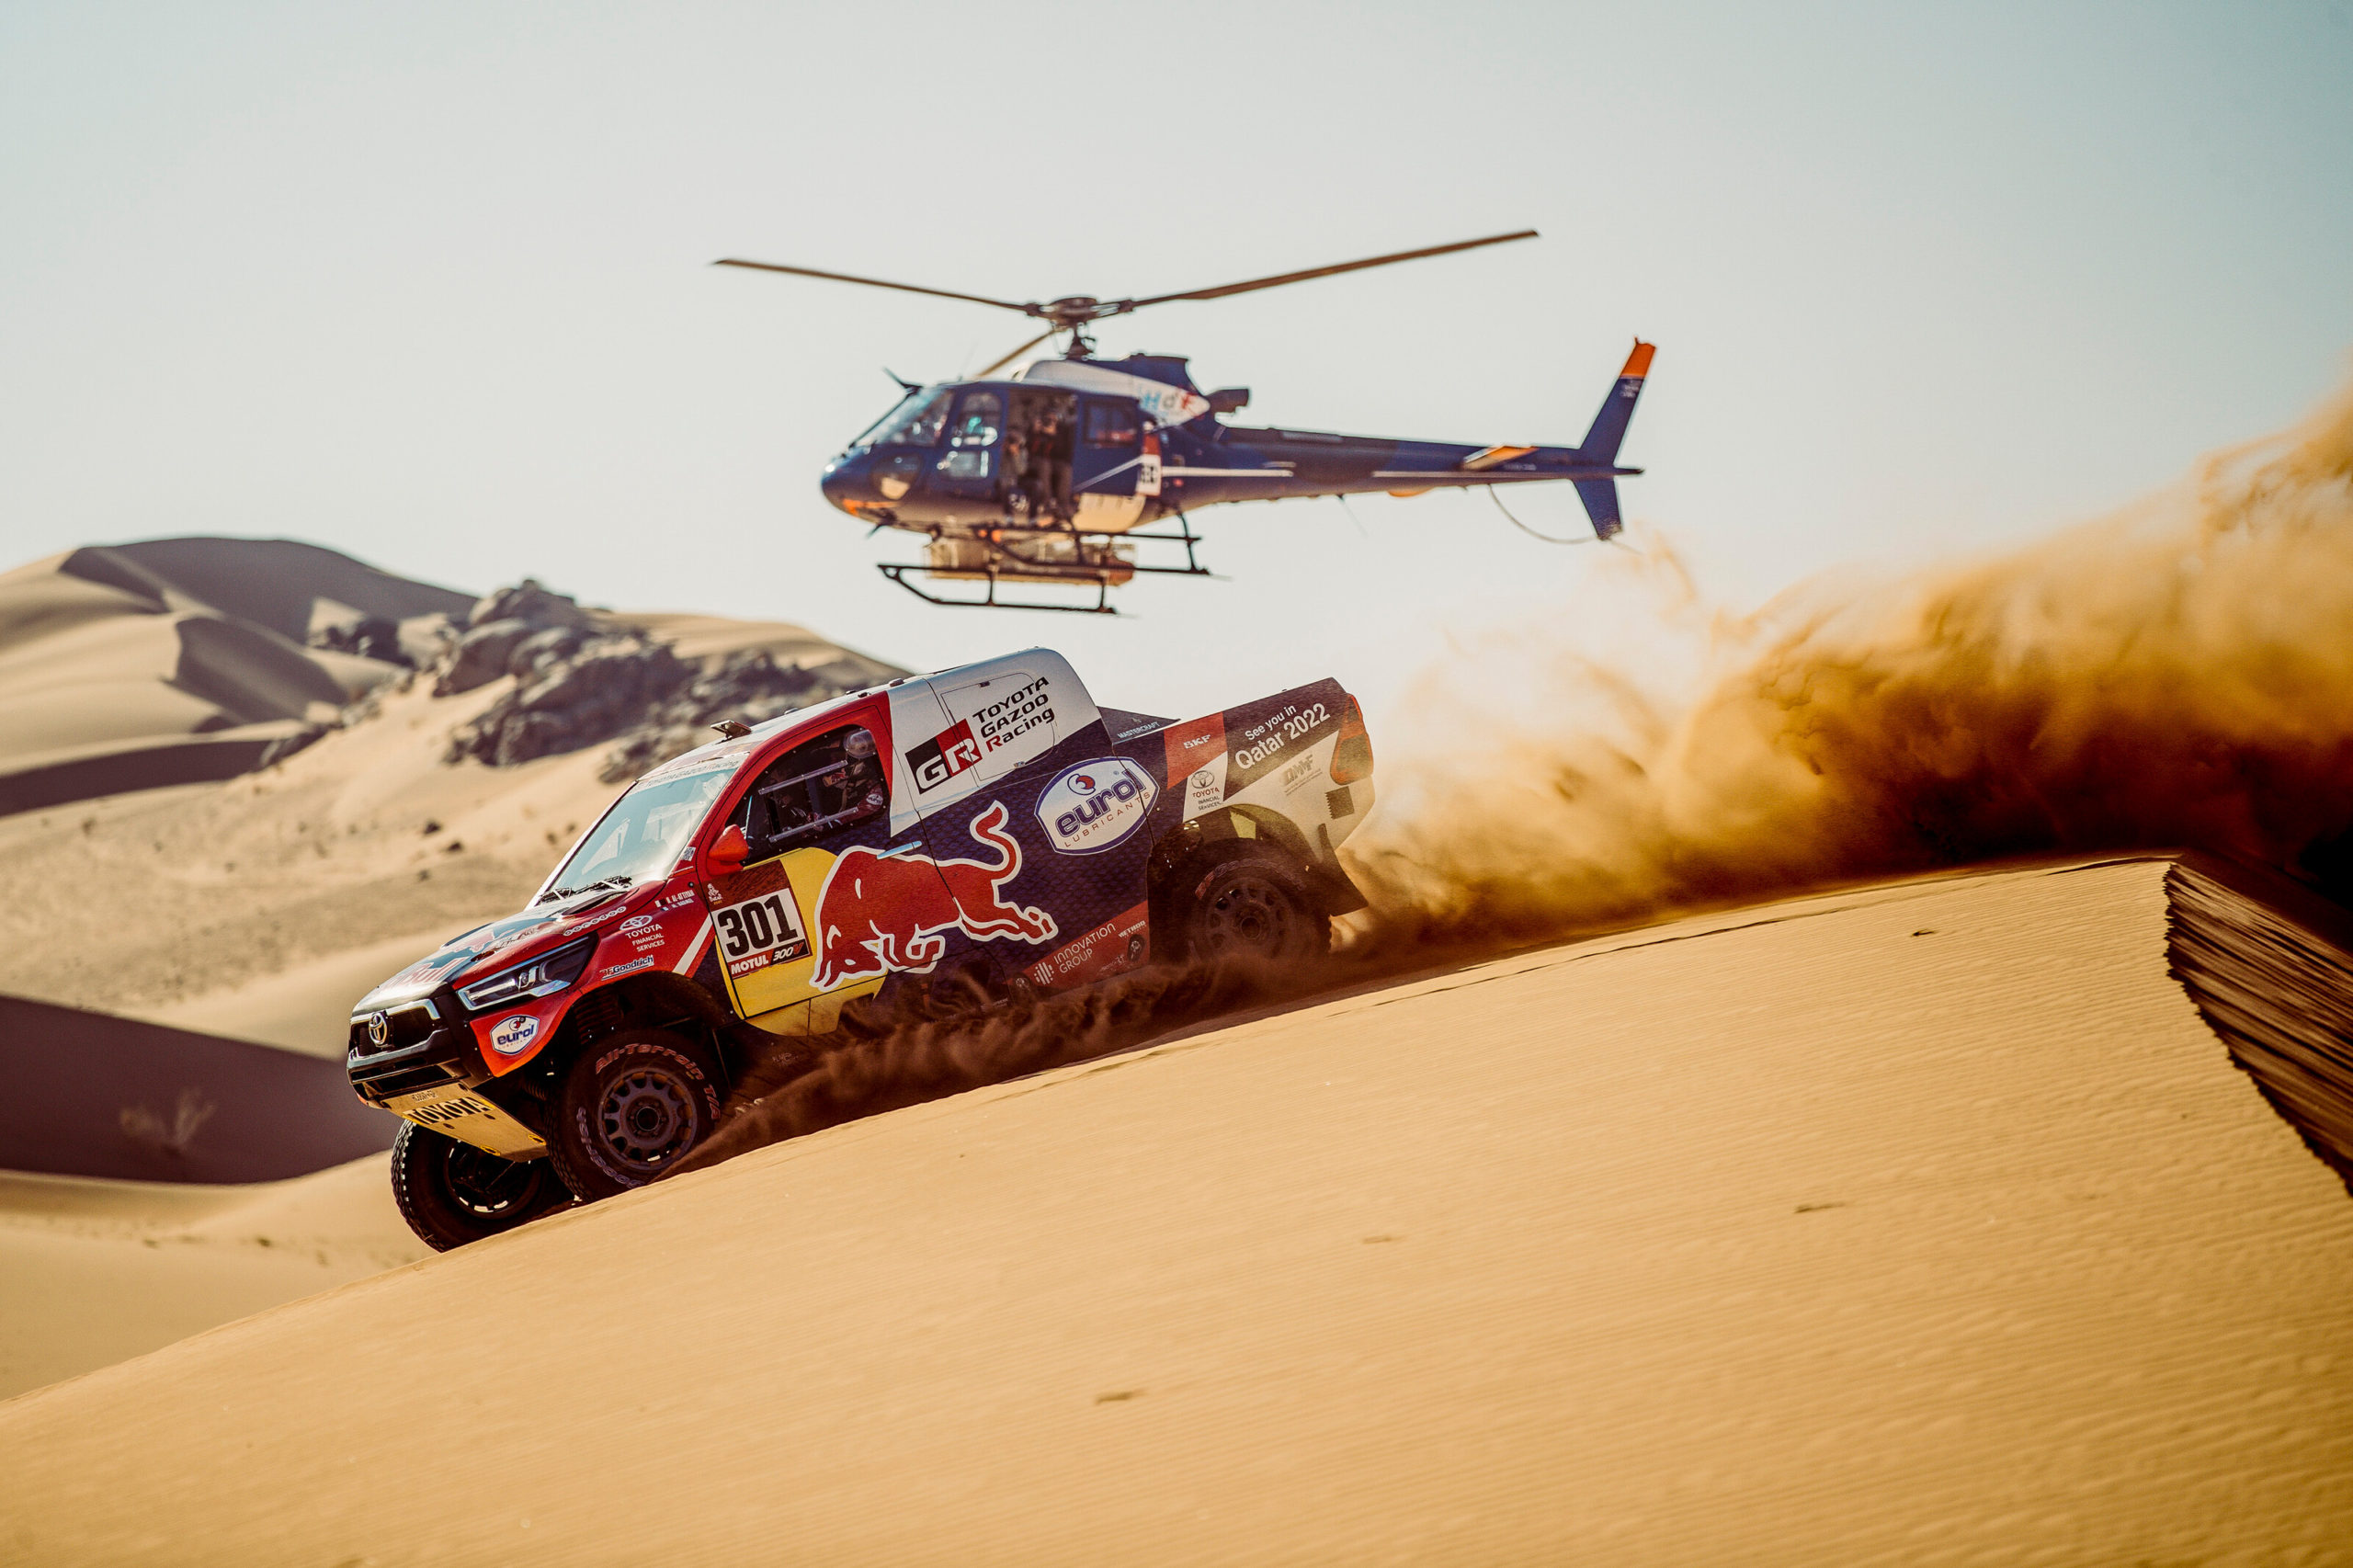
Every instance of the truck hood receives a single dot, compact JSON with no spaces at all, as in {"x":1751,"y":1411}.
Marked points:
{"x":486,"y":948}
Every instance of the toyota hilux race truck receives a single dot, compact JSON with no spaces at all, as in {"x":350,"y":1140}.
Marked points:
{"x":976,"y":837}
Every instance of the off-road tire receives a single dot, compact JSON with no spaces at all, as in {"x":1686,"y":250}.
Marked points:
{"x":632,"y":1105}
{"x":1243,"y":901}
{"x":453,"y":1193}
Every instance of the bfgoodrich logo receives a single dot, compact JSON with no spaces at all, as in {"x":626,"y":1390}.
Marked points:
{"x":1089,"y":808}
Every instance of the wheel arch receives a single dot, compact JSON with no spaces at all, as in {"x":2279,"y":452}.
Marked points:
{"x":656,"y":1001}
{"x":1265,"y":832}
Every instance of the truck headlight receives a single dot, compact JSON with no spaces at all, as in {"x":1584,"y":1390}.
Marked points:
{"x":543,"y":976}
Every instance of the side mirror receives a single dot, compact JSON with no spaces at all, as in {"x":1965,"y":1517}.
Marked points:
{"x":1225,"y":400}
{"x":727,"y":851}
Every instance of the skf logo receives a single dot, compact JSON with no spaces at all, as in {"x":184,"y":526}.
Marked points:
{"x":943,"y":756}
{"x":511,"y":1035}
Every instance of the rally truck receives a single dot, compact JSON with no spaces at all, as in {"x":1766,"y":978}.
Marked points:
{"x":976,"y":837}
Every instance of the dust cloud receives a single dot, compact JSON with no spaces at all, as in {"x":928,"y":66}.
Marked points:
{"x":2179,"y":674}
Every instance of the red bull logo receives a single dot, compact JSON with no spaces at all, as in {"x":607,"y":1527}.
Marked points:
{"x":879,"y":913}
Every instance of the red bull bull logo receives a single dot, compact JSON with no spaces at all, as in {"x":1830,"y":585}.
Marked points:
{"x":879,"y":913}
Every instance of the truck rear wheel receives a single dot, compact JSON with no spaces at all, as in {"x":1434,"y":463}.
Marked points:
{"x":1252,"y":905}
{"x":633,"y":1104}
{"x":453,"y":1193}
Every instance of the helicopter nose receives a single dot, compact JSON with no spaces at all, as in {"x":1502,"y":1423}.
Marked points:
{"x":847,"y":485}
{"x":870,"y":483}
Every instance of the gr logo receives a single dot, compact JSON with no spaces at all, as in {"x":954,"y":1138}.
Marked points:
{"x":943,"y":756}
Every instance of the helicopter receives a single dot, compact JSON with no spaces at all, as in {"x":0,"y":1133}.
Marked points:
{"x":1054,"y":471}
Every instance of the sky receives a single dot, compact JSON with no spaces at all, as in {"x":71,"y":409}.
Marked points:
{"x":430,"y":284}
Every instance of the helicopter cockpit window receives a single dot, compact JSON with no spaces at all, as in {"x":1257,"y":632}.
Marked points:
{"x":816,"y":788}
{"x":1111,"y":424}
{"x":917,"y":422}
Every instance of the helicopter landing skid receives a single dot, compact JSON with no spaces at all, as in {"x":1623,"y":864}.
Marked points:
{"x":1076,"y":559}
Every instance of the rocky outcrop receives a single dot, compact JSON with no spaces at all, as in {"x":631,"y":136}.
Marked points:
{"x":534,"y":606}
{"x":748,"y":686}
{"x":502,"y":626}
{"x":601,"y":689}
{"x":370,"y":637}
{"x":582,"y":680}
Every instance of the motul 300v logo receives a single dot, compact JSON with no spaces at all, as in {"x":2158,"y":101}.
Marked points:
{"x":879,"y":913}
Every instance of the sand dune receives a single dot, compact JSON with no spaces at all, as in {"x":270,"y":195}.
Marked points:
{"x":101,"y":1271}
{"x":93,"y":1095}
{"x":178,"y":661}
{"x":1923,"y":1223}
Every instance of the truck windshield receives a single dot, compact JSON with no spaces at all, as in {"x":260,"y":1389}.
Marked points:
{"x":641,"y":836}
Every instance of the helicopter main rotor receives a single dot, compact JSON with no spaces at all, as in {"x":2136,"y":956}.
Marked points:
{"x":1074,"y":313}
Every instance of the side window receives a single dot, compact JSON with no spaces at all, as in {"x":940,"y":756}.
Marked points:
{"x":978,"y":422}
{"x":816,"y":788}
{"x":1112,"y":425}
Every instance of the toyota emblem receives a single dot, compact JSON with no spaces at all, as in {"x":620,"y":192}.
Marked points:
{"x":380,"y":1027}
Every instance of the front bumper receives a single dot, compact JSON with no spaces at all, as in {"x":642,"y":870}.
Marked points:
{"x":427,"y":1046}
{"x":430,"y":1080}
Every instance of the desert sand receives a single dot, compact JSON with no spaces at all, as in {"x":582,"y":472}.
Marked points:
{"x":101,"y":1271}
{"x":1931,"y":1223}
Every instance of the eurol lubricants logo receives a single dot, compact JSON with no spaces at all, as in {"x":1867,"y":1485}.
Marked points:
{"x":1089,"y":808}
{"x":512,"y":1034}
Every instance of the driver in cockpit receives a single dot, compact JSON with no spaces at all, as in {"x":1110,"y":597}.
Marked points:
{"x":861,"y":775}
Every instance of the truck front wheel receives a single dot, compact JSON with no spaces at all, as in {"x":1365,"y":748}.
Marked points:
{"x":453,"y":1193}
{"x":1252,"y":905}
{"x":633,"y":1104}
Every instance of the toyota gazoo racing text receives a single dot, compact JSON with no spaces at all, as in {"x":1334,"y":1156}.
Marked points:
{"x":944,"y":842}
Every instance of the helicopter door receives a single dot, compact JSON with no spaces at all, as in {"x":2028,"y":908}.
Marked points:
{"x":971,"y":468}
{"x":1110,"y":456}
